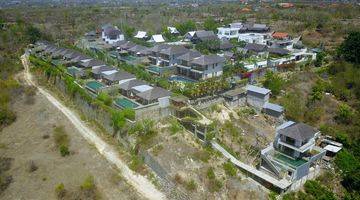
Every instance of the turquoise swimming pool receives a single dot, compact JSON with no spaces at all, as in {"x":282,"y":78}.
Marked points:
{"x":181,"y":79}
{"x":155,"y":69}
{"x":94,"y":85}
{"x":126,"y":103}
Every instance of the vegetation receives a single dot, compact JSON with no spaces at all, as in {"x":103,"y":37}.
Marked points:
{"x":191,"y":185}
{"x":186,"y":26}
{"x":62,"y":140}
{"x":207,"y":87}
{"x":209,"y":46}
{"x":210,"y":24}
{"x":273,"y":82}
{"x":175,"y":126}
{"x":229,"y":169}
{"x":104,"y":97}
{"x":312,"y":190}
{"x":215,"y":184}
{"x":349,"y":50}
{"x":60,"y":191}
{"x":88,"y":183}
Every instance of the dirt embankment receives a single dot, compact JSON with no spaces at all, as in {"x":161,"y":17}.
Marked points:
{"x":29,"y":142}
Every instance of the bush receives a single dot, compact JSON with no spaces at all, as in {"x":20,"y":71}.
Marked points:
{"x":273,"y":82}
{"x":62,"y":140}
{"x":60,"y":191}
{"x":191,"y":185}
{"x":6,"y":116}
{"x":137,"y":163}
{"x":344,"y":114}
{"x":229,"y":168}
{"x":64,"y":150}
{"x":210,"y":173}
{"x":174,"y":126}
{"x":104,"y":97}
{"x":318,"y":191}
{"x":88,"y":183}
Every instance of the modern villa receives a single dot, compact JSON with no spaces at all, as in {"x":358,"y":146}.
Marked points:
{"x":111,"y":34}
{"x":293,"y":154}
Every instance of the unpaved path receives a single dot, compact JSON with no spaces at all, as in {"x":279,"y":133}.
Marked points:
{"x":140,"y":183}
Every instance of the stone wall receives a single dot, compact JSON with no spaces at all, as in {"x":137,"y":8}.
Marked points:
{"x":92,"y":112}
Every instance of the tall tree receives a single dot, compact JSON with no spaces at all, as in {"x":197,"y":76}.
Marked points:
{"x":350,"y":48}
{"x":210,"y":24}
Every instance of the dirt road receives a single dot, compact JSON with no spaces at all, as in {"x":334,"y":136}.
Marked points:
{"x":140,"y":183}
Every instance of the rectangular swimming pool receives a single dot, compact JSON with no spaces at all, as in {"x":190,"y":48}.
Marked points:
{"x":288,"y":161}
{"x":129,"y":58}
{"x":125,"y":103}
{"x":154,"y":69}
{"x":94,"y":85}
{"x":182,"y":79}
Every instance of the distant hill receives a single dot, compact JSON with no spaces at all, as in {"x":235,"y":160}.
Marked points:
{"x":14,"y":3}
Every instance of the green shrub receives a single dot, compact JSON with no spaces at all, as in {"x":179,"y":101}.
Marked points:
{"x":62,"y":140}
{"x":273,"y":82}
{"x":60,"y":191}
{"x":215,"y":185}
{"x":210,"y":173}
{"x":174,"y":126}
{"x":344,"y":114}
{"x":88,"y":183}
{"x":64,"y":150}
{"x":318,"y":191}
{"x":191,"y":185}
{"x":229,"y":168}
{"x":104,"y":97}
{"x":136,"y":163}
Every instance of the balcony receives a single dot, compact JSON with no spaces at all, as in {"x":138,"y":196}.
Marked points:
{"x":305,"y":147}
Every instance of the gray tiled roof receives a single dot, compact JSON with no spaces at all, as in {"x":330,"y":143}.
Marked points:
{"x":205,"y":35}
{"x":127,"y":45}
{"x":119,"y":43}
{"x":208,"y":60}
{"x":159,"y":47}
{"x":92,"y":63}
{"x":279,"y":51}
{"x":299,"y":131}
{"x":255,"y":47}
{"x":154,"y":94}
{"x":174,"y":50}
{"x":132,"y":83}
{"x":189,"y":56}
{"x":118,"y":76}
{"x":256,"y":89}
{"x":273,"y":107}
{"x":111,"y":31}
{"x":137,"y":48}
{"x":100,"y":69}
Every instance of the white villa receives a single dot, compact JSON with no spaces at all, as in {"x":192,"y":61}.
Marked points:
{"x":228,"y":32}
{"x":111,"y":34}
{"x":257,"y":38}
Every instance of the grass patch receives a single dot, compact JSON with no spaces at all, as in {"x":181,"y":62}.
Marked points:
{"x":60,"y":191}
{"x":229,"y":169}
{"x":191,"y":185}
{"x":62,"y":140}
{"x":175,"y":126}
{"x":88,"y":183}
{"x":137,"y":163}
